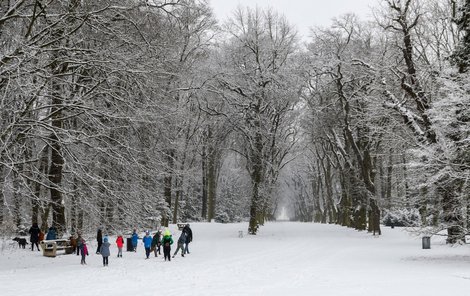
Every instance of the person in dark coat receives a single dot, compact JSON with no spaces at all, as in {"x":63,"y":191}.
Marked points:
{"x":181,"y":242}
{"x":79,"y":242}
{"x":34,"y":232}
{"x":99,"y":239}
{"x":189,"y":238}
{"x":156,"y":243}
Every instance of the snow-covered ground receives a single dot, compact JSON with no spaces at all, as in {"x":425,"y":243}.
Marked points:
{"x":284,"y":259}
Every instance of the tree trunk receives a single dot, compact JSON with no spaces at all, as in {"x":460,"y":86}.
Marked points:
{"x":256,"y":177}
{"x":176,"y":206}
{"x":36,"y":202}
{"x":16,"y":200}
{"x":2,"y":195}
{"x":211,"y":183}
{"x":204,"y":183}
{"x":316,"y":190}
{"x":80,"y":217}
{"x":448,"y":188}
{"x":345,"y":213}
{"x":167,"y":192}
{"x":56,"y":166}
{"x":405,"y":180}
{"x":45,"y":216}
{"x":388,"y":195}
{"x":109,"y":214}
{"x":74,"y":209}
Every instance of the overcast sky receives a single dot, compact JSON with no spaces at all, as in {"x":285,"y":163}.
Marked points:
{"x":301,"y":13}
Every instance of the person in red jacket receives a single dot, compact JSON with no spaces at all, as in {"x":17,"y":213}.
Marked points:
{"x":120,"y":243}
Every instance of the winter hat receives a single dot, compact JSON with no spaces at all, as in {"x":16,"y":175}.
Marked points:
{"x":105,"y":239}
{"x":167,"y":233}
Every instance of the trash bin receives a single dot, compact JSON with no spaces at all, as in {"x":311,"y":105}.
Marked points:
{"x":426,"y":242}
{"x":129,"y":248}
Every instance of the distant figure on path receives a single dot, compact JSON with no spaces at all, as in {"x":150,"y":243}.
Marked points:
{"x":167,"y":241}
{"x":147,"y":241}
{"x":104,"y":250}
{"x":99,"y":239}
{"x":135,"y":238}
{"x":79,"y":242}
{"x":83,"y":251}
{"x":34,"y":232}
{"x":181,"y":242}
{"x":120,"y":244}
{"x":189,"y":237}
{"x":156,"y":243}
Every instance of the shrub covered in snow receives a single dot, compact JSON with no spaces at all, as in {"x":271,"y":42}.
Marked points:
{"x":401,"y":217}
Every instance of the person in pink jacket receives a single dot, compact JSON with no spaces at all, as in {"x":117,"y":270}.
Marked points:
{"x":83,"y":251}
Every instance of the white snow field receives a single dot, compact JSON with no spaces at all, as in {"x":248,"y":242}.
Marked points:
{"x":285,"y":258}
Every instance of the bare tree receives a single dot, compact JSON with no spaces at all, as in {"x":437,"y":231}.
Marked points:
{"x":261,"y":90}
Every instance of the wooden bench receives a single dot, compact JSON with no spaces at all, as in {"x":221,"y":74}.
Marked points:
{"x":50,"y":247}
{"x":180,"y":225}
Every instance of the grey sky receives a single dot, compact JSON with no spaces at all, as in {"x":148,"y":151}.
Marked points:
{"x":301,"y":13}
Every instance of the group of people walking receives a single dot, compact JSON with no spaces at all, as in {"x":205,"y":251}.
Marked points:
{"x":151,"y":243}
{"x":165,"y":240}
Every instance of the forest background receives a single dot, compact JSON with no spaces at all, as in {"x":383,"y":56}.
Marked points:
{"x":132,"y":113}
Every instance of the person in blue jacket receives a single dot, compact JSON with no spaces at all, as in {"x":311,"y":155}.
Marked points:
{"x":135,"y":238}
{"x":147,"y":240}
{"x":52,"y":233}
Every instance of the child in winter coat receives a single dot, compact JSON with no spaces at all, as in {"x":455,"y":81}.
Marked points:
{"x":120,"y":243}
{"x":83,"y":251}
{"x":104,"y":250}
{"x":41,"y":236}
{"x":147,"y":240}
{"x":167,"y":241}
{"x":156,"y":243}
{"x":135,"y":238}
{"x":181,"y":242}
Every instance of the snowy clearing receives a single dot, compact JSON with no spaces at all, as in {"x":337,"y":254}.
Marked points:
{"x":286,"y":258}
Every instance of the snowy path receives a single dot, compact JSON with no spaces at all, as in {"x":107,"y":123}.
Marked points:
{"x":284,"y":259}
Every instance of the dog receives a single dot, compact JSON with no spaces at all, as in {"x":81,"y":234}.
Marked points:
{"x":21,"y":242}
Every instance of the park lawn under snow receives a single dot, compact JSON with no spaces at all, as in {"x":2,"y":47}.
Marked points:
{"x":285,"y":258}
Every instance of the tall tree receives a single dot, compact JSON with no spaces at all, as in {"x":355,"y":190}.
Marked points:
{"x":261,"y":90}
